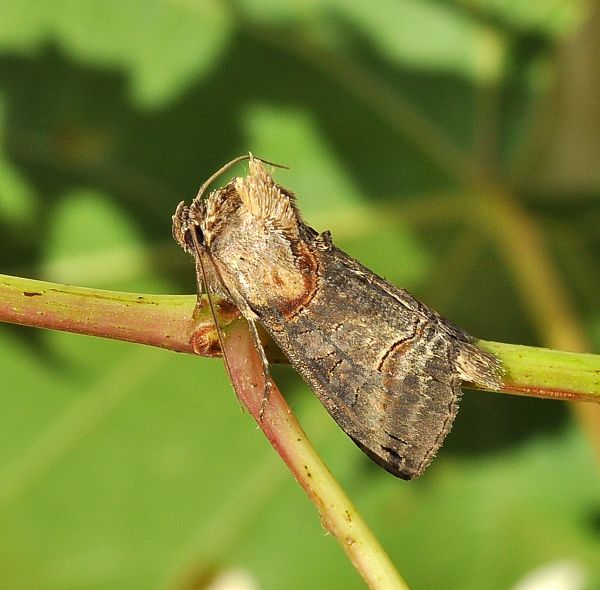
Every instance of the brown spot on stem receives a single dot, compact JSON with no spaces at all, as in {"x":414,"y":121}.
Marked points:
{"x":205,"y":342}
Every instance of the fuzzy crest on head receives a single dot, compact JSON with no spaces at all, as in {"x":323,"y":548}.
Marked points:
{"x":267,"y":201}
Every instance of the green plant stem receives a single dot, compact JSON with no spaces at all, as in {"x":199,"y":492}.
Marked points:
{"x":167,"y":321}
{"x":547,"y":373}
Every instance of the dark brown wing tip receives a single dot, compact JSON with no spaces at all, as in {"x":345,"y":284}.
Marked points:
{"x":405,"y":472}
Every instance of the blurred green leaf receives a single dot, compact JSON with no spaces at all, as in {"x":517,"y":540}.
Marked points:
{"x":163,"y":45}
{"x":546,"y":16}
{"x":394,"y":28}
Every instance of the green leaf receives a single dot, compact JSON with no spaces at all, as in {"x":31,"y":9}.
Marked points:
{"x":162,"y":45}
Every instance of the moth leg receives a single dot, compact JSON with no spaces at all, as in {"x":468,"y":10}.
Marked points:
{"x":200,"y":290}
{"x":265,"y":363}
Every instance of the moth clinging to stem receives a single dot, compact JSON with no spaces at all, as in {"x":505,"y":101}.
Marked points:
{"x":387,"y":368}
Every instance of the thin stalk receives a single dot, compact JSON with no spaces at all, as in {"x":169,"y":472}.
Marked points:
{"x":548,"y":373}
{"x":169,"y":321}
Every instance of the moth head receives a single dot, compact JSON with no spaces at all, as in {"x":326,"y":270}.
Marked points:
{"x":196,"y":226}
{"x":187,"y":229}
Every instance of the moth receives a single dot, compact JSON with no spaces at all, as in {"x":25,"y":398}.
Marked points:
{"x":387,"y":368}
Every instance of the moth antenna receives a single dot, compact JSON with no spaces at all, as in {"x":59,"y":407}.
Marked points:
{"x":251,"y":324}
{"x":200,"y":283}
{"x":227,"y":166}
{"x":257,"y":343}
{"x":211,"y":305}
{"x":265,"y":363}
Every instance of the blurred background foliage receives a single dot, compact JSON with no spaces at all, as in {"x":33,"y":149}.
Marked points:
{"x":452,"y":146}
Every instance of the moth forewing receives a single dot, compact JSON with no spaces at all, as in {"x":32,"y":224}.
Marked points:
{"x":386,"y":367}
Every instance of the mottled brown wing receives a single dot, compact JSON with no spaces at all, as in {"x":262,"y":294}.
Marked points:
{"x":383,"y":365}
